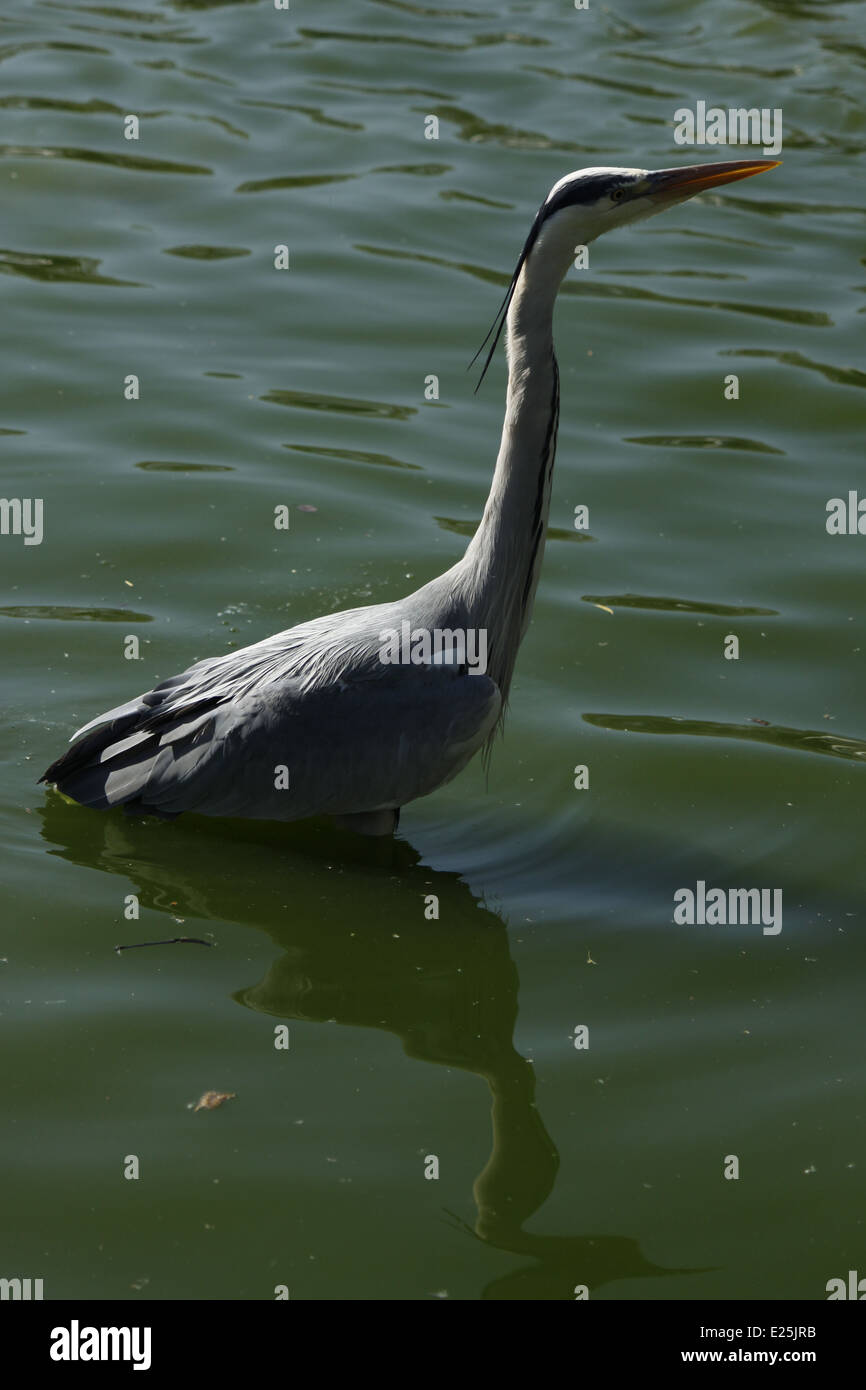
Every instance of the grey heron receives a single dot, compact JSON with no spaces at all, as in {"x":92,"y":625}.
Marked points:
{"x":327,"y":719}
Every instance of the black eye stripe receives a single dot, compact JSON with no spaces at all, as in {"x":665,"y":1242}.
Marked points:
{"x":585,"y":191}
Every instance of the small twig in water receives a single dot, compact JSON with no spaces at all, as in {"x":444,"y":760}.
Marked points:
{"x":132,"y":945}
{"x":458,"y":1224}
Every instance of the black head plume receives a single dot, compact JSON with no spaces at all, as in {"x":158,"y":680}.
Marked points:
{"x":586,"y":188}
{"x":495,"y":330}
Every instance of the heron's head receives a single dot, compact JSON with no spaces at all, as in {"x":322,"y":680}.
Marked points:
{"x":589,"y":202}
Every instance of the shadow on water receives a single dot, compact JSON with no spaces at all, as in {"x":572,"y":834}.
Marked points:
{"x":448,"y":989}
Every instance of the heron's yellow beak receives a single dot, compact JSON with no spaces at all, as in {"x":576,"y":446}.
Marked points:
{"x":675,"y":184}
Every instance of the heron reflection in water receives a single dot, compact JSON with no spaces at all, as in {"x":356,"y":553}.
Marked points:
{"x":448,"y":990}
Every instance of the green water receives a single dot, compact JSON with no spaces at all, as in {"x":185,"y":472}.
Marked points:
{"x":306,"y":388}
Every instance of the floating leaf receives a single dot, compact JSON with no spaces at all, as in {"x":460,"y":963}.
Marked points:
{"x":212,"y":1099}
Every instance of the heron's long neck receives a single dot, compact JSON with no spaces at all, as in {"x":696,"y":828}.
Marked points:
{"x":503,"y":560}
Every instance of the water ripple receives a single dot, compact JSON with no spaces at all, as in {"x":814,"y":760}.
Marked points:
{"x":12,"y":50}
{"x":314,"y":113}
{"x":841,"y":376}
{"x":702,"y":441}
{"x":291,"y":181}
{"x":794,"y":740}
{"x":141,"y":36}
{"x":168,"y":466}
{"x":678,"y":605}
{"x":270,"y":185}
{"x":137,"y":162}
{"x":695,"y":65}
{"x":434,"y":11}
{"x":475,"y":129}
{"x":341,"y":405}
{"x":167,"y":65}
{"x":53,"y":268}
{"x":377,"y":89}
{"x":457,"y":196}
{"x":638,"y":89}
{"x":353,"y":456}
{"x":68,"y":614}
{"x":437,"y":45}
{"x":194,"y":252}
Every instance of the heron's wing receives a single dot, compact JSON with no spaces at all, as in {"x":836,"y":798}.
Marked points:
{"x":194,"y":692}
{"x":278,"y":748}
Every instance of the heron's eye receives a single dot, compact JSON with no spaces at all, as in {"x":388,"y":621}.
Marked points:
{"x":617,"y":195}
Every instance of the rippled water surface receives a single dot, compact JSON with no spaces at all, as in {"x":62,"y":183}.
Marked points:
{"x":601,"y":1167}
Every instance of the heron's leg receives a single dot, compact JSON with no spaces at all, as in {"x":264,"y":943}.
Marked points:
{"x":370,"y":822}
